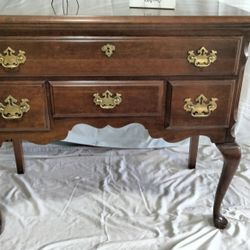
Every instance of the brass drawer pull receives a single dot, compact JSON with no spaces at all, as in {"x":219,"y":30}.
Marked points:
{"x":107,"y":100}
{"x":11,"y":110}
{"x":203,"y":59}
{"x":108,"y":49}
{"x":11,"y":61}
{"x":202,"y":107}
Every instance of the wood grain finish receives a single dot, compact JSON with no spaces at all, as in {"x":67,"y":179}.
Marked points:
{"x":65,"y":67}
{"x":139,"y":98}
{"x":137,"y":56}
{"x":180,"y":90}
{"x":36,"y":119}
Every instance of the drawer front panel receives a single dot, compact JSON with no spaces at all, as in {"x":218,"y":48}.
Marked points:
{"x":23,"y":106}
{"x":135,"y":56}
{"x":124,"y":98}
{"x":200,"y":103}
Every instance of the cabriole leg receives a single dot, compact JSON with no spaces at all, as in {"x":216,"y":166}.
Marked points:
{"x":232,"y":154}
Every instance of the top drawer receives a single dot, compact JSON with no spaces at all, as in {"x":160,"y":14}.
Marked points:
{"x":135,"y":56}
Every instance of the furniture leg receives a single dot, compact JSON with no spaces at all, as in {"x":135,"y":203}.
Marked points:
{"x":231,"y":153}
{"x":18,"y":151}
{"x":193,"y":149}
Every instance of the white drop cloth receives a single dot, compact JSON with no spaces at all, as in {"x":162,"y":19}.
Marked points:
{"x":88,"y":198}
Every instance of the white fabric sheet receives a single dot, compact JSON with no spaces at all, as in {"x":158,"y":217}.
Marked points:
{"x":240,"y":4}
{"x":88,"y":198}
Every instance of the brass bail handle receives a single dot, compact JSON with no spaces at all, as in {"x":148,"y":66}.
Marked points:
{"x":9,"y":59}
{"x":202,"y":107}
{"x":203,"y":59}
{"x":107,"y":100}
{"x":11,"y":110}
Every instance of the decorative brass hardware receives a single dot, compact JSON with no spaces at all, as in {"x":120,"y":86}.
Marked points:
{"x":108,"y":100}
{"x":108,"y":49}
{"x":203,"y":59}
{"x":11,"y":61}
{"x":202,"y":108}
{"x":12,"y":110}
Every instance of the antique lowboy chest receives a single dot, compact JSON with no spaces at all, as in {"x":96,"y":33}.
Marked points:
{"x":178,"y":73}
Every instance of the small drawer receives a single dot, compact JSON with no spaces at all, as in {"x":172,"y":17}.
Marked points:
{"x":23,"y":106}
{"x":126,"y":56}
{"x":200,"y":103}
{"x":107,"y":98}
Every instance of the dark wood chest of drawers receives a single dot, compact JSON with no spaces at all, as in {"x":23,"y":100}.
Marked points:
{"x":178,"y":76}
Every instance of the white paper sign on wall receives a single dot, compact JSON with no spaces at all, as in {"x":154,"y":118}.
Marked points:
{"x":159,"y":4}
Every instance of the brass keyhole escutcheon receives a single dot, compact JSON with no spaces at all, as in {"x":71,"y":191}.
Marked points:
{"x":108,"y":49}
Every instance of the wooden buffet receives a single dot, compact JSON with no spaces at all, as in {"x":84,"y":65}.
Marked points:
{"x":178,"y":73}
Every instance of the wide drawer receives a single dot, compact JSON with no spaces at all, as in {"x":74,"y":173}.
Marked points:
{"x":107,"y":98}
{"x":126,"y":56}
{"x":23,"y":106}
{"x":200,"y":103}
